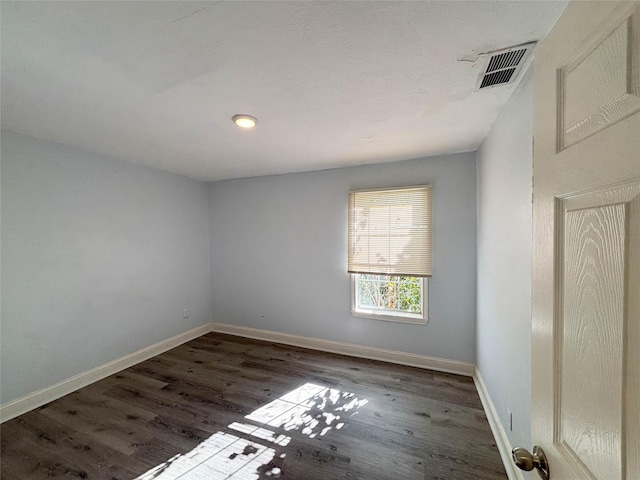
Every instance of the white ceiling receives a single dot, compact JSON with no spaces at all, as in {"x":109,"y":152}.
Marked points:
{"x":332,"y":84}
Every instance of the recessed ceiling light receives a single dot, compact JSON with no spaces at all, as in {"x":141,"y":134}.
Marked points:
{"x":245,"y":121}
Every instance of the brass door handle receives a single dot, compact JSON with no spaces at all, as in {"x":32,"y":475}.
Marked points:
{"x":527,"y":462}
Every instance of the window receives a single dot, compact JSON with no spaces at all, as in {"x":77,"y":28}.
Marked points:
{"x":389,"y":252}
{"x":388,"y":297}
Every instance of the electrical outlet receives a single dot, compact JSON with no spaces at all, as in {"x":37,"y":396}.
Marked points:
{"x":185,"y":314}
{"x":510,"y":420}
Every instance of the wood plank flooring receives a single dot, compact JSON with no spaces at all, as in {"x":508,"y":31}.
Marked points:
{"x":224,"y":407}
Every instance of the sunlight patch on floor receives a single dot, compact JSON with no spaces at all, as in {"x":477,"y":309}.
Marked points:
{"x":310,"y":409}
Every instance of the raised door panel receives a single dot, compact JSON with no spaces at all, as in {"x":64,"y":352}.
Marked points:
{"x":597,"y":393}
{"x":602,"y":86}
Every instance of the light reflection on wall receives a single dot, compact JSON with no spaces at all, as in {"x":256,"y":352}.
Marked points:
{"x":310,"y":409}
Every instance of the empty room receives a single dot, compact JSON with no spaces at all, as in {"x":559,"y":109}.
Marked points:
{"x":320,"y":240}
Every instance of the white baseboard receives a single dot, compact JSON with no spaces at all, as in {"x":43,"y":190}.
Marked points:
{"x":372,"y":353}
{"x":499,"y":433}
{"x":29,"y":402}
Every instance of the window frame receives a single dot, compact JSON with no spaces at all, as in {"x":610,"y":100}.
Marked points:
{"x":392,"y":315}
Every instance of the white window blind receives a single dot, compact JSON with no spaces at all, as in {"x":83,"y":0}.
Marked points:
{"x":390,"y":231}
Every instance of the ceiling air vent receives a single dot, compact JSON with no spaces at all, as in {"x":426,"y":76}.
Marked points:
{"x":503,"y":66}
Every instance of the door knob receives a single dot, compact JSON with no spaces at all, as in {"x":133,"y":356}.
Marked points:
{"x":527,"y":462}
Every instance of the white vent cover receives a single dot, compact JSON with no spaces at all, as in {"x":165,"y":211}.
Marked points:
{"x":503,"y":66}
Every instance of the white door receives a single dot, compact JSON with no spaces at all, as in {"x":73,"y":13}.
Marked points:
{"x":586,"y":239}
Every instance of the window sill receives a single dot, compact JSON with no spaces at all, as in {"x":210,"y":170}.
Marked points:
{"x":390,"y":318}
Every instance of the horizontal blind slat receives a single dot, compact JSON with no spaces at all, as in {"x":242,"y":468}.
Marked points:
{"x":389,"y":232}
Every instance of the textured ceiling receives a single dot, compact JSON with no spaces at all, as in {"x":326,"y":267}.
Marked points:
{"x":332,"y":84}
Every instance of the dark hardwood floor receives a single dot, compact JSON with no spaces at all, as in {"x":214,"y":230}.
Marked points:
{"x":223,"y":406}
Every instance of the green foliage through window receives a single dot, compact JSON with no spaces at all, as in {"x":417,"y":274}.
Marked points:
{"x":389,"y":293}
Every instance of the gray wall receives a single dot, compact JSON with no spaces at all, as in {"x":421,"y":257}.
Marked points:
{"x":504,"y":163}
{"x":99,"y":258}
{"x":279,"y":248}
